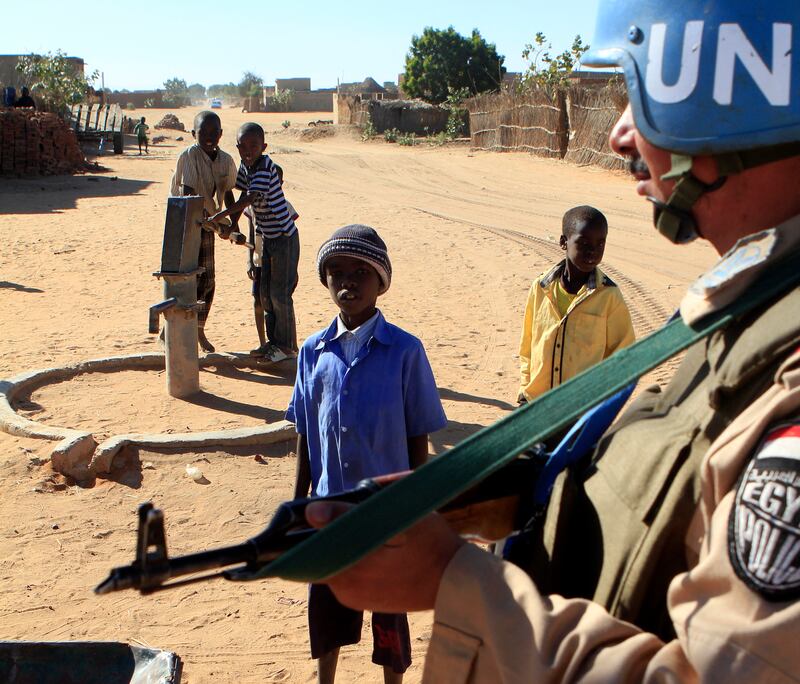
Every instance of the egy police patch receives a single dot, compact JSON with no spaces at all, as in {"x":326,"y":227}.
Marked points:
{"x":764,"y":531}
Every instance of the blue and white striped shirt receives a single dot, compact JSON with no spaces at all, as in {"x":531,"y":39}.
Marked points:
{"x":272,"y":215}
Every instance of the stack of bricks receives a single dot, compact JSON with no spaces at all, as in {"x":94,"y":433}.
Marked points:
{"x":37,"y":144}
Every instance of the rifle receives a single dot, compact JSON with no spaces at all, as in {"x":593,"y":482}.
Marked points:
{"x":488,"y":512}
{"x":506,"y":501}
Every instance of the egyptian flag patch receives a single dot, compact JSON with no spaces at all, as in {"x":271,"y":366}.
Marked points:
{"x":764,"y":529}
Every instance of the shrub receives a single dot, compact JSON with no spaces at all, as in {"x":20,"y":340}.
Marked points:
{"x":547,"y":71}
{"x":407,"y":139}
{"x":458,"y":117}
{"x":369,"y":131}
{"x":390,"y":135}
{"x":283,"y":100}
{"x":53,"y":80}
{"x":130,"y":105}
{"x":286,"y":123}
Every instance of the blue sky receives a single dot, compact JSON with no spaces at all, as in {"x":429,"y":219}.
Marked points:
{"x":140,"y":45}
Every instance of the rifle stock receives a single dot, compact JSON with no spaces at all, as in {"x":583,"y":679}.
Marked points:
{"x":488,"y":512}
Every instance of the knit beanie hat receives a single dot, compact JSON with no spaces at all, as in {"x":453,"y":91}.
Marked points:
{"x":360,"y":242}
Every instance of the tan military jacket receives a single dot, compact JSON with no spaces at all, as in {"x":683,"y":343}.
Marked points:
{"x":492,"y":625}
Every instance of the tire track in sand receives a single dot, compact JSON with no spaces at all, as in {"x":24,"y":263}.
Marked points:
{"x":647,"y":312}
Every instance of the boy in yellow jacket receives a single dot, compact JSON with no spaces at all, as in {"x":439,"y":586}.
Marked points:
{"x":575,"y":316}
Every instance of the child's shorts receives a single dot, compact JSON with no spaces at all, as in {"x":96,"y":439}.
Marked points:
{"x":331,"y":625}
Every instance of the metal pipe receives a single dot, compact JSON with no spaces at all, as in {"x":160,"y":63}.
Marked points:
{"x":180,"y":337}
{"x":179,"y":270}
{"x":157,"y":309}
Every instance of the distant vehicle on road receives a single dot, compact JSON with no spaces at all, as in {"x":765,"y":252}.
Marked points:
{"x":216,"y":103}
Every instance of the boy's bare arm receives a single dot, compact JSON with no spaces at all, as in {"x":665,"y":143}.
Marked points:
{"x":302,"y":480}
{"x":417,"y":451}
{"x":229,"y":202}
{"x":244,"y":201}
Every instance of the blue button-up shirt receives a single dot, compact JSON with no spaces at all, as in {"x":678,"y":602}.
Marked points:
{"x":357,"y":417}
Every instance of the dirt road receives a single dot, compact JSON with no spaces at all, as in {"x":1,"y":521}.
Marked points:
{"x":466,"y":231}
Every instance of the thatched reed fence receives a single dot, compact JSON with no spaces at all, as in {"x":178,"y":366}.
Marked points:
{"x":573,"y":124}
{"x":591,"y":114}
{"x":533,"y":122}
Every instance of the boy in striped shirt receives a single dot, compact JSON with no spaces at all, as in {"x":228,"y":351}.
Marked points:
{"x":261,"y":191}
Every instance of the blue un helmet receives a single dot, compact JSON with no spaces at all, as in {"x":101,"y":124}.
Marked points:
{"x":706,"y":77}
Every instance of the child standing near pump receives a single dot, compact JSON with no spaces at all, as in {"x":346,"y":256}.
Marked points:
{"x":363,"y":405}
{"x":204,"y":169}
{"x":255,"y":273}
{"x":141,"y":129}
{"x":575,"y":315}
{"x":261,"y":190}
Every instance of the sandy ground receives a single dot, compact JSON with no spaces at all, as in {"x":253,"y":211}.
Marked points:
{"x":467,"y":231}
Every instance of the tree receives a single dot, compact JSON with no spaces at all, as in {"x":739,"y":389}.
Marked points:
{"x":55,"y":81}
{"x":176,"y":92}
{"x":251,"y":84}
{"x":282,"y":100}
{"x":442,"y":61}
{"x":223,"y":90}
{"x":550,"y":72}
{"x":196,"y":91}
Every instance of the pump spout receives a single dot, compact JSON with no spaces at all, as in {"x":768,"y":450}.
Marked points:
{"x":156,"y":310}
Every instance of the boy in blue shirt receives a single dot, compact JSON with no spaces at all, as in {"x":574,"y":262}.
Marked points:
{"x":364,"y":403}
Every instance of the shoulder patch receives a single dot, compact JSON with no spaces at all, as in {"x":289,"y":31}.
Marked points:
{"x":764,"y":527}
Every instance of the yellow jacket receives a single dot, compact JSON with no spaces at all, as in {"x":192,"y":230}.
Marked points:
{"x":554,"y":349}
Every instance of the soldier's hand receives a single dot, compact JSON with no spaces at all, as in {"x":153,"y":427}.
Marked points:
{"x":251,"y":272}
{"x":401,"y":576}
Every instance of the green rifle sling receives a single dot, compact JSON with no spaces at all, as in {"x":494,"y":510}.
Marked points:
{"x":391,"y":511}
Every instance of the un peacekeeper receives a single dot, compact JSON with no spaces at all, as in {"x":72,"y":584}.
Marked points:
{"x":682,"y":534}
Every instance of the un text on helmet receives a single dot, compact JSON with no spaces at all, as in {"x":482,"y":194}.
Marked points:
{"x":774,"y":83}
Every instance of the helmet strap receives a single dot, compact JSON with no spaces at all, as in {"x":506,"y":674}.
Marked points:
{"x":674,"y":218}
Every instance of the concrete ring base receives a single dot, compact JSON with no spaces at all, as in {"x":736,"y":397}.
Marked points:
{"x":78,"y":454}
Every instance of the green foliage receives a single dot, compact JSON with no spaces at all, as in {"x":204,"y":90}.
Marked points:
{"x":176,"y":92}
{"x":223,"y":90}
{"x":390,"y":135}
{"x":439,"y":139}
{"x":442,"y":60}
{"x":547,"y":71}
{"x":251,"y":84}
{"x":130,"y":105}
{"x":197,"y":91}
{"x":407,"y":139}
{"x":54,"y":80}
{"x":457,"y":120}
{"x":369,"y":131}
{"x":283,"y":99}
{"x":149,"y":103}
{"x":286,"y":123}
